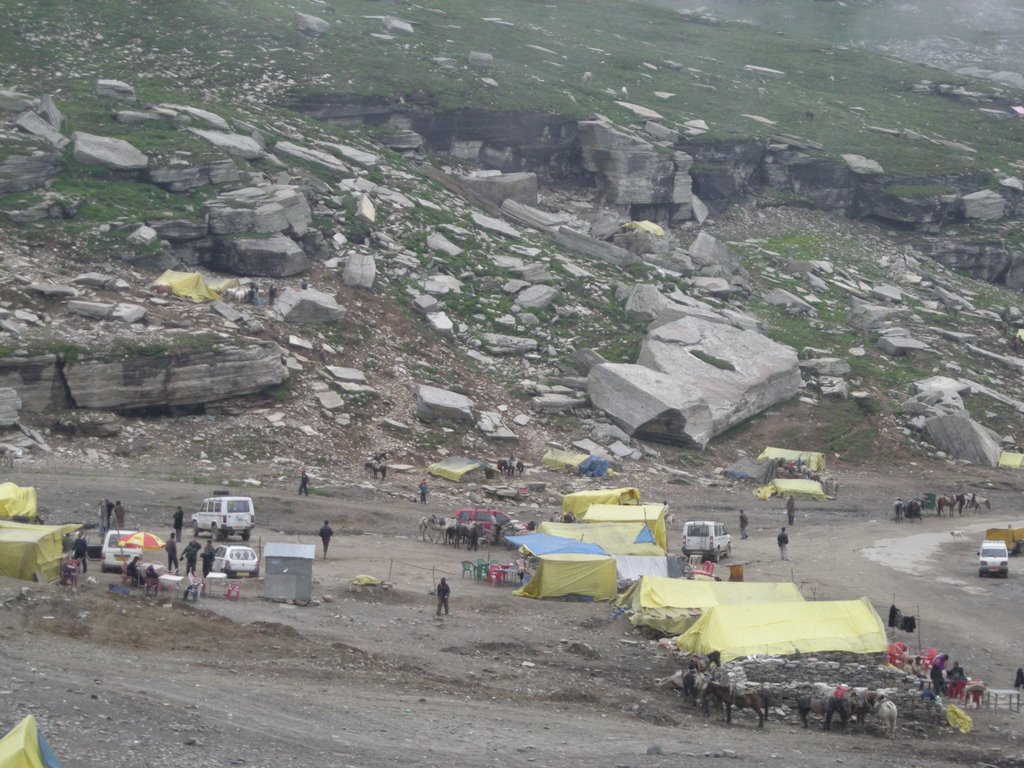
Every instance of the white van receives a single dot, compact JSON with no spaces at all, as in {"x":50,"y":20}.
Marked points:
{"x":112,"y":556}
{"x":224,"y":516}
{"x":706,"y":538}
{"x":993,"y":559}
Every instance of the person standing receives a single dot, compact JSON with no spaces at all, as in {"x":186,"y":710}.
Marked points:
{"x":423,"y":491}
{"x":783,"y":540}
{"x":191,"y":554}
{"x":108,"y":507}
{"x":119,"y":514}
{"x":304,"y":483}
{"x":790,"y":510}
{"x":272,"y":294}
{"x":179,"y":521}
{"x":208,"y":555}
{"x":172,"y":552}
{"x":326,"y":532}
{"x":938,"y":674}
{"x":80,"y":551}
{"x":744,"y":522}
{"x":443,"y":591}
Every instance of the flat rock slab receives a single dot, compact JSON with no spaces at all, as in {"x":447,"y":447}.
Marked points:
{"x":434,"y":403}
{"x":898,"y":345}
{"x":497,"y":226}
{"x":115,"y":154}
{"x":308,"y":306}
{"x":234,"y":144}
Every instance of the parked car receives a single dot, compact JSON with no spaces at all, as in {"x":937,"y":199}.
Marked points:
{"x":993,"y":559}
{"x":236,"y":561}
{"x":224,"y":516}
{"x":485,"y":517}
{"x":113,"y":556}
{"x":707,"y":538}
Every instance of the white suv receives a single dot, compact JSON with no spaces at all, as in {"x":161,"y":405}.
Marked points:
{"x":993,"y":559}
{"x":224,"y":515}
{"x":706,"y":538}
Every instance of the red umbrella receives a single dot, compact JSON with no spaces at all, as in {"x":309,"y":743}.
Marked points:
{"x":142,"y":540}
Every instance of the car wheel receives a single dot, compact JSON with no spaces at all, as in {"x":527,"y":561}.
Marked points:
{"x":246,"y":534}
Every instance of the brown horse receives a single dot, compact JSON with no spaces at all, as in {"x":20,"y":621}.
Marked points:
{"x":945,"y":502}
{"x":727,"y":696}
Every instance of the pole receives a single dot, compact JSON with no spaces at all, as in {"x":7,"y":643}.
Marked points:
{"x":391,"y":564}
{"x":919,"y":646}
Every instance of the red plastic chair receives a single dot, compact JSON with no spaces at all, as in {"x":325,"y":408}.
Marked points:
{"x":955,"y":688}
{"x":233,"y":591}
{"x":707,"y":569}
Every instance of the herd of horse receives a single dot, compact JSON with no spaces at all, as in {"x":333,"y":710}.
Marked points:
{"x":910,"y":509}
{"x":705,"y":684}
{"x":449,"y":530}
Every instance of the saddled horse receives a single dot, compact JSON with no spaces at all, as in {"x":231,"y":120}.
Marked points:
{"x":826,"y":706}
{"x":946,"y":502}
{"x":470,"y":535}
{"x":375,"y":463}
{"x":729,"y":697}
{"x":432,"y":528}
{"x":912,"y":509}
{"x":451,"y":532}
{"x":862,"y":704}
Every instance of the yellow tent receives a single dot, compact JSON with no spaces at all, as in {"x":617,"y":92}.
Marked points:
{"x":613,"y":538}
{"x":25,"y":747}
{"x":653,"y":515}
{"x":555,"y":459}
{"x":671,"y":606}
{"x":1011,"y":460}
{"x":645,"y":226}
{"x":579,"y":502}
{"x":814,"y":461}
{"x":782,"y":629}
{"x":798,"y":489}
{"x":454,"y":468}
{"x":188,"y":284}
{"x":16,"y":501}
{"x":559,"y":575}
{"x":27,"y":550}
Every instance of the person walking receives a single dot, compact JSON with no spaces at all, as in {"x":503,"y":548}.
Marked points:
{"x":783,"y":540}
{"x":179,"y":521}
{"x":191,"y":554}
{"x":80,"y":551}
{"x":423,"y":491}
{"x":744,"y":522}
{"x":119,"y":514}
{"x":790,"y":510}
{"x":208,"y":555}
{"x":326,"y":532}
{"x":443,"y":591}
{"x":304,"y":483}
{"x":172,"y":552}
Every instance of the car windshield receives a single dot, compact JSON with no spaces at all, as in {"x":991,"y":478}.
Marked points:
{"x":992,"y":552}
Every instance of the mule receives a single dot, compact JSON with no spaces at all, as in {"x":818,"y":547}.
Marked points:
{"x":826,"y":706}
{"x":727,"y":696}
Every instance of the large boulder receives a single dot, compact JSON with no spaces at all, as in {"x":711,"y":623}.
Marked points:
{"x":37,"y":380}
{"x":115,"y":154}
{"x":234,"y":144}
{"x":169,"y":380}
{"x":713,"y":258}
{"x":261,"y":210}
{"x":537,"y":297}
{"x":984,"y":205}
{"x":21,"y":173}
{"x":308,"y":306}
{"x":739,"y":373}
{"x":646,"y":302}
{"x":182,"y":177}
{"x":869,"y":317}
{"x":963,"y":438}
{"x":310,"y":25}
{"x":436,"y":404}
{"x":274,"y":256}
{"x":360,"y":271}
{"x":650,"y":405}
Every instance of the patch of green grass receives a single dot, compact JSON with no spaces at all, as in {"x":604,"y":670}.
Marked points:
{"x":717,"y":362}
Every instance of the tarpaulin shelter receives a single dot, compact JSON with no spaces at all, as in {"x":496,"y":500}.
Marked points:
{"x":614,"y":538}
{"x":645,"y":226}
{"x":545,"y":544}
{"x":814,"y":461}
{"x":594,"y":466}
{"x":653,"y":515}
{"x":16,"y":501}
{"x":556,"y":459}
{"x":590,"y":576}
{"x":798,"y":489}
{"x":578,"y":503}
{"x":455,"y":468}
{"x":1011,"y":460}
{"x":750,"y":469}
{"x":782,"y":629}
{"x":190,"y":285}
{"x":25,"y":747}
{"x":27,"y":550}
{"x":673,"y":605}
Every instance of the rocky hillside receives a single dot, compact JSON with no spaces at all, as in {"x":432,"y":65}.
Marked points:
{"x":479,"y":242}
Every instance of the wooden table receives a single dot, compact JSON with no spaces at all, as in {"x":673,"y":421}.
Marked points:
{"x":1012,"y":696}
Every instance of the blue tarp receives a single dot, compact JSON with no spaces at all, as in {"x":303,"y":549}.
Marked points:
{"x":594,"y":466}
{"x":646,"y":536}
{"x":545,"y":544}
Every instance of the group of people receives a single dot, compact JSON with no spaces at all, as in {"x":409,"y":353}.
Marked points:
{"x":192,"y":554}
{"x":782,"y":538}
{"x":252,"y":294}
{"x":111,"y":510}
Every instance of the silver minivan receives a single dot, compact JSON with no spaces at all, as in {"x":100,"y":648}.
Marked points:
{"x":706,"y":538}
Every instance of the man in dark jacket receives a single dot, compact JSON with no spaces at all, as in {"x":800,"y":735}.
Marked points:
{"x":172,"y":555}
{"x":326,"y":532}
{"x":783,"y":540}
{"x":443,"y":591}
{"x":80,"y":550}
{"x":191,"y":554}
{"x":208,"y":555}
{"x":179,"y":521}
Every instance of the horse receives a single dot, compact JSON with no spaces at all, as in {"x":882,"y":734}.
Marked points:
{"x":373,"y":466}
{"x":912,"y":509}
{"x":961,"y":502}
{"x":943,"y":502}
{"x":897,"y":510}
{"x":887,"y":713}
{"x":826,"y":706}
{"x":862,"y":704}
{"x":727,"y":696}
{"x":471,"y":536}
{"x":520,"y":467}
{"x":451,"y":532}
{"x":432,"y":528}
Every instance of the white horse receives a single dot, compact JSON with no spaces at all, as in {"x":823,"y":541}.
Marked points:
{"x":432,"y":528}
{"x":888,"y":713}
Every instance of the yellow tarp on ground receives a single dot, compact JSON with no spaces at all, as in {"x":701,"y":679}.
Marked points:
{"x":454,"y":468}
{"x":1011,"y":460}
{"x":798,"y":489}
{"x":191,"y":285}
{"x":645,"y":226}
{"x":16,"y":501}
{"x":672,"y":606}
{"x":27,"y":549}
{"x":958,"y":719}
{"x":782,"y":629}
{"x":559,"y":575}
{"x":555,"y":459}
{"x":651,"y":514}
{"x":578,"y":503}
{"x":814,"y":461}
{"x":24,"y":747}
{"x":613,"y":538}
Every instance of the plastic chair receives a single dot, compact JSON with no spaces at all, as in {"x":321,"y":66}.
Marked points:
{"x":125,"y":578}
{"x":468,"y":566}
{"x":233,"y":591}
{"x":707,"y":569}
{"x":151,"y":584}
{"x":955,"y":688}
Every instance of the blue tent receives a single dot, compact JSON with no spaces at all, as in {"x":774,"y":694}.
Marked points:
{"x":594,"y":466}
{"x":545,"y":544}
